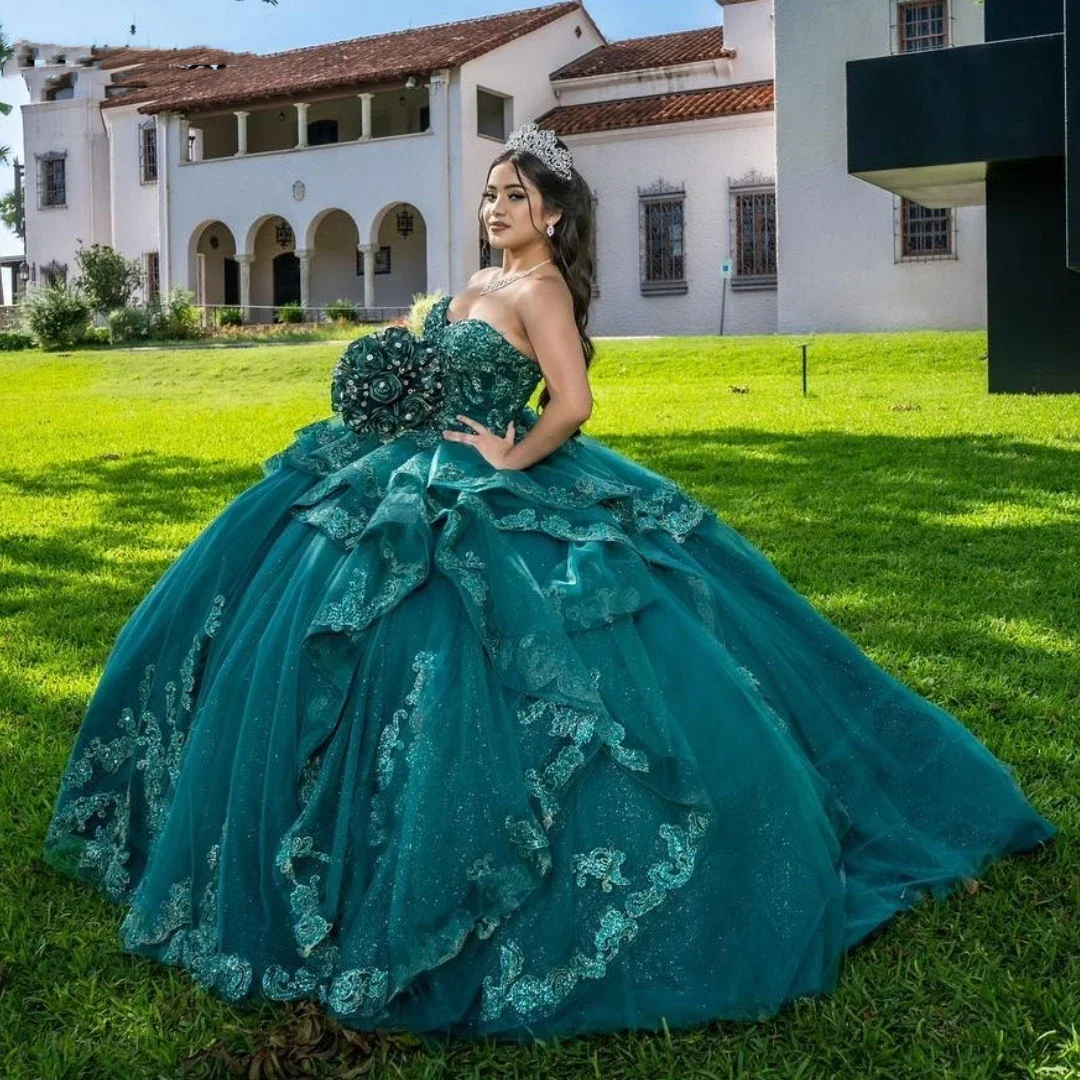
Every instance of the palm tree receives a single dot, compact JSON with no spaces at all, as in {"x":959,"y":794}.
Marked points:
{"x":11,"y":210}
{"x":6,"y":52}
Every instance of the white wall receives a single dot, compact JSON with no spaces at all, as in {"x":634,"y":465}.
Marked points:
{"x":364,"y":180}
{"x":703,"y":155}
{"x":133,"y":205}
{"x":441,"y":173}
{"x":748,"y":29}
{"x":836,"y":244}
{"x":53,"y":232}
{"x":520,"y":69}
{"x":75,"y":125}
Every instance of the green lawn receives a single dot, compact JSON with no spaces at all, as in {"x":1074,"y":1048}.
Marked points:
{"x":937,"y":525}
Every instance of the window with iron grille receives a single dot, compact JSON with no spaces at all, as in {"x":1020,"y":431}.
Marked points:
{"x":52,"y":179}
{"x":148,"y":152}
{"x":153,"y":274}
{"x":919,"y":25}
{"x":752,"y":231}
{"x":662,"y":238}
{"x":924,"y":234}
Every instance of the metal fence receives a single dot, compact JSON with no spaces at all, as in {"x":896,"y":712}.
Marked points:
{"x":258,"y":315}
{"x":266,"y":314}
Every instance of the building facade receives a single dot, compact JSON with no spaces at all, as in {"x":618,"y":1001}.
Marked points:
{"x":853,"y":256}
{"x":354,"y":170}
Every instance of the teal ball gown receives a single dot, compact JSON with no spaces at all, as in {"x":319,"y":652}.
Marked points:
{"x":471,"y":751}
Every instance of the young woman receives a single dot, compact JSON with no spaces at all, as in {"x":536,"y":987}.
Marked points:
{"x":460,"y":722}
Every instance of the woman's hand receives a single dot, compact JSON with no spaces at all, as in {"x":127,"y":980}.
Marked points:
{"x":493,"y":449}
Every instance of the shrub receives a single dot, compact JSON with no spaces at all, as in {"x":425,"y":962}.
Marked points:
{"x":178,"y":319}
{"x":291,"y":312}
{"x":342,"y":311}
{"x":97,"y":335}
{"x":56,"y":315}
{"x":128,"y":324}
{"x":230,"y":316}
{"x":155,"y":316}
{"x":106,"y":278}
{"x":13,"y":340}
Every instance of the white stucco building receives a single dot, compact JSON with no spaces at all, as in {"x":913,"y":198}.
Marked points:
{"x":354,"y":169}
{"x":853,"y":256}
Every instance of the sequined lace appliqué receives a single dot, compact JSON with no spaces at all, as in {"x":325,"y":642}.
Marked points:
{"x":162,"y":737}
{"x":536,"y":996}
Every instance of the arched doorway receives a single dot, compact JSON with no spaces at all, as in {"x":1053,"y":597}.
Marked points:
{"x":275,"y":268}
{"x":332,"y":237}
{"x":213,"y":272}
{"x":399,"y":235}
{"x":286,"y":279}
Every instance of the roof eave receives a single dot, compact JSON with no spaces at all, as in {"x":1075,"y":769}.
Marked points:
{"x":186,"y":105}
{"x":625,"y":73}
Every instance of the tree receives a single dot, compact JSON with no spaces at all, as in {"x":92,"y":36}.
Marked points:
{"x":106,"y":278}
{"x":6,"y":53}
{"x":11,"y":209}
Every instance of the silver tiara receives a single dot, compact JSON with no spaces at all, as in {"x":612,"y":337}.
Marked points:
{"x":541,"y":142}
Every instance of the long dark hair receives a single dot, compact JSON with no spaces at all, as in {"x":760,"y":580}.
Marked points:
{"x":573,"y":238}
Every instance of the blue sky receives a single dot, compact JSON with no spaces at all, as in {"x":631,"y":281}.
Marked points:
{"x":259,"y":27}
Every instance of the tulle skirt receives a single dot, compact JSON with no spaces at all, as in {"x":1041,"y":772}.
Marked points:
{"x":459,"y":750}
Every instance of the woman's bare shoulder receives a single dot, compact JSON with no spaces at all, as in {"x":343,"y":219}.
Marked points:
{"x":547,"y":294}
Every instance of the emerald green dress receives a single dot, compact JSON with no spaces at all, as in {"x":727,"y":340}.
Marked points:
{"x":474,"y":751}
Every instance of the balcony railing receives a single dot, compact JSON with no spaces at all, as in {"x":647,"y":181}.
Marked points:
{"x":301,"y":125}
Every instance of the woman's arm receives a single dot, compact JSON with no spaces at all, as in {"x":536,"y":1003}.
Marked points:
{"x":547,"y":313}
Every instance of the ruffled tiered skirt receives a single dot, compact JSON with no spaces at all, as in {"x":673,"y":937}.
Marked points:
{"x":461,"y":750}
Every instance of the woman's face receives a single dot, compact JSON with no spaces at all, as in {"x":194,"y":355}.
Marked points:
{"x":508,"y":202}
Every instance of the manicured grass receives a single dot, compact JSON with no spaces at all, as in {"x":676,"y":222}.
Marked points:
{"x":937,"y":525}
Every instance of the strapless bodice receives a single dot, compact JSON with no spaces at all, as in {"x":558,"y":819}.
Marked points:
{"x":485,"y":376}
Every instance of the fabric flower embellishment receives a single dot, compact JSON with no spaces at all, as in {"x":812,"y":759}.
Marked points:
{"x":387,"y":382}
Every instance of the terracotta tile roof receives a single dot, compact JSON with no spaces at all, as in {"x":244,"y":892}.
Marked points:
{"x":146,"y":71}
{"x":252,"y":77}
{"x":659,"y":50}
{"x":149,"y":61}
{"x":669,"y":108}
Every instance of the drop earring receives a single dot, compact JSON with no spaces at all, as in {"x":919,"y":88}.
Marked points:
{"x":550,"y":229}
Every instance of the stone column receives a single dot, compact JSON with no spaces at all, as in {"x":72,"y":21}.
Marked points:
{"x":301,"y":124}
{"x":241,"y":132}
{"x":245,"y":262}
{"x":368,"y":251}
{"x":305,"y":281}
{"x":365,"y":117}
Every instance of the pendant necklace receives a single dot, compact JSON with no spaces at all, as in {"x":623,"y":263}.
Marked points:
{"x":498,"y":282}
